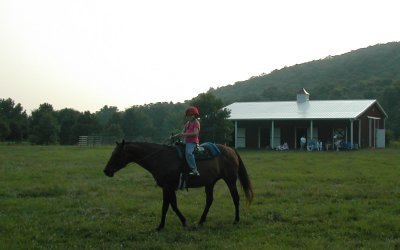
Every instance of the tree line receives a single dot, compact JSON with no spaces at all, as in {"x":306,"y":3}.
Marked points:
{"x":150,"y":122}
{"x":369,"y":73}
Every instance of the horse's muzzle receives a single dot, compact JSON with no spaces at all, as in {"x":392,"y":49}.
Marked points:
{"x":108,"y":173}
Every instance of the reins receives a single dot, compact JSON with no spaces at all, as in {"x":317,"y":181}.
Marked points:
{"x":149,"y":155}
{"x":170,"y":141}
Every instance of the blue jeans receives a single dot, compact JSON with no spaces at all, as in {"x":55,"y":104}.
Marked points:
{"x":189,"y":148}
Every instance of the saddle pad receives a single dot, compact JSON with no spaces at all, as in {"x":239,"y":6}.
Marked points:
{"x":205,"y":151}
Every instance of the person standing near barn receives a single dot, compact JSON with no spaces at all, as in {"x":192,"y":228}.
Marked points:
{"x":190,"y":136}
{"x":303,"y":142}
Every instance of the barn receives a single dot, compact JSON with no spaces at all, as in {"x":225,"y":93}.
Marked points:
{"x":356,"y":123}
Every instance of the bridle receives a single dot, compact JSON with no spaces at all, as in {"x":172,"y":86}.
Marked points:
{"x":170,"y":140}
{"x":149,"y":155}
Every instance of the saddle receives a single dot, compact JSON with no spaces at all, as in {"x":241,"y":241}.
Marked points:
{"x":204,"y":151}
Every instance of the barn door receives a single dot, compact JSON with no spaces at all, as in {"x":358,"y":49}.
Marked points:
{"x":380,"y":138}
{"x":241,"y":138}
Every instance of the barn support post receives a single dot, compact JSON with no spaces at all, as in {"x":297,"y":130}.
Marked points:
{"x":359,"y":133}
{"x":236,"y":128}
{"x":374,"y":133}
{"x":311,"y":130}
{"x":351,"y":133}
{"x":272,"y":135}
{"x":369,"y":132}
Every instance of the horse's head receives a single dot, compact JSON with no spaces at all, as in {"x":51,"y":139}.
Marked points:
{"x":118,"y":160}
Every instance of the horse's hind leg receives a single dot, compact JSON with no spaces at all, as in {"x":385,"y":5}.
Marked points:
{"x":235,"y":197}
{"x":209,"y":200}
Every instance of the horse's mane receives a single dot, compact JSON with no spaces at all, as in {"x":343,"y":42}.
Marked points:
{"x":148,"y":145}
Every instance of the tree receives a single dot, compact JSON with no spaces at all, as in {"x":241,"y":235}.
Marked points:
{"x":4,"y":128}
{"x":214,"y":124}
{"x":44,"y":127}
{"x":13,"y":121}
{"x":137,"y":124}
{"x":86,"y":124}
{"x":391,"y":103}
{"x":113,"y":125}
{"x":114,"y":130}
{"x":106,"y":115}
{"x":68,"y":118}
{"x":166,"y":119}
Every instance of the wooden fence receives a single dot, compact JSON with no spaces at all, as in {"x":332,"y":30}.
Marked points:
{"x":86,"y":140}
{"x":96,"y":140}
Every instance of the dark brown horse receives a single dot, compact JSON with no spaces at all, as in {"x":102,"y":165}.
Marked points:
{"x":163,"y":163}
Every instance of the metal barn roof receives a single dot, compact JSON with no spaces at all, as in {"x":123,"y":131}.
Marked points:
{"x":337,"y":109}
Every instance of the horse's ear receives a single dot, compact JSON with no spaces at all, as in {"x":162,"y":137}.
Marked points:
{"x":123,"y":141}
{"x":117,"y":143}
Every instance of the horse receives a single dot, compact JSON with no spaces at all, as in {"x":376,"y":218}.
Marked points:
{"x":163,"y":162}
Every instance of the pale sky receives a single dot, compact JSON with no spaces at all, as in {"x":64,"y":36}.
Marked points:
{"x":84,"y":54}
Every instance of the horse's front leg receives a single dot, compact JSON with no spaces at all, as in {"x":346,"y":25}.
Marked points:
{"x":169,"y":197}
{"x":166,"y":201}
{"x":209,"y":200}
{"x":174,"y":206}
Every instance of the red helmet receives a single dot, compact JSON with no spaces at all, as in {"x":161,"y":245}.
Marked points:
{"x":192,"y":111}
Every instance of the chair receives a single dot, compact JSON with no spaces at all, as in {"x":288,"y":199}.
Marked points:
{"x":312,"y":145}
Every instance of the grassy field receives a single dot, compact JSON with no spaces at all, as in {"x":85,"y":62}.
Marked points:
{"x":58,"y":198}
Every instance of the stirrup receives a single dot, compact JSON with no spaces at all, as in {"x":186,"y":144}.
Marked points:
{"x":194,"y":172}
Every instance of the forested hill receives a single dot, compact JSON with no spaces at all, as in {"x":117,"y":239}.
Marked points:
{"x":363,"y":73}
{"x":368,"y":73}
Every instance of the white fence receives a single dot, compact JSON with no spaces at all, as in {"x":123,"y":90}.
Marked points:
{"x":85,"y":140}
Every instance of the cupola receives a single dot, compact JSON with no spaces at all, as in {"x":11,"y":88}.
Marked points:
{"x":303,"y":96}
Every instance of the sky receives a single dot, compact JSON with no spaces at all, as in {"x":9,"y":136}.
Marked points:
{"x":84,"y":54}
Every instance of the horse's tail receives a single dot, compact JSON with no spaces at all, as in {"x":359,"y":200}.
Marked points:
{"x":245,"y":180}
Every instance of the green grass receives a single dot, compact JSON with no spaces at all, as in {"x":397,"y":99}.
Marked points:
{"x":58,"y":198}
{"x":394,"y":144}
